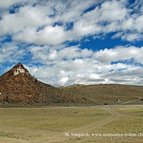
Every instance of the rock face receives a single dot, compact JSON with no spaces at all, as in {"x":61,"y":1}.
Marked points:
{"x":18,"y":86}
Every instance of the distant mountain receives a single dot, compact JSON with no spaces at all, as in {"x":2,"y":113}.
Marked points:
{"x":18,"y":86}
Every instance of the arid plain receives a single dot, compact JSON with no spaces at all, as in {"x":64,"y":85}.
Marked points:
{"x":78,"y":124}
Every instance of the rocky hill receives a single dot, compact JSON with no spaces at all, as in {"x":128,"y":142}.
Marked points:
{"x":108,"y":93}
{"x":18,"y":86}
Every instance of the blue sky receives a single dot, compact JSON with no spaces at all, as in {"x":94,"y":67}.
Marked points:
{"x":64,"y":42}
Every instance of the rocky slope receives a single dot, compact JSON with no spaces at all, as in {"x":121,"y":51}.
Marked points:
{"x":18,"y":86}
{"x":108,"y":93}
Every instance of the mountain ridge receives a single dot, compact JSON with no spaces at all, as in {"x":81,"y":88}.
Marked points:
{"x":107,"y":93}
{"x":18,"y":86}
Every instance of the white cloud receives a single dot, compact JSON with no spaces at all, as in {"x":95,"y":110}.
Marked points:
{"x":81,"y":73}
{"x":111,"y":16}
{"x":49,"y":35}
{"x":113,"y":11}
{"x":138,"y":23}
{"x":63,"y":80}
{"x":63,"y":65}
{"x":120,"y":53}
{"x":7,"y":3}
{"x":10,"y":53}
{"x":48,"y":54}
{"x":26,"y":18}
{"x":79,"y":65}
{"x":73,"y":67}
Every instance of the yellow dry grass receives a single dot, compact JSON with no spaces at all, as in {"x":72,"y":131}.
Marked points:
{"x":49,"y":124}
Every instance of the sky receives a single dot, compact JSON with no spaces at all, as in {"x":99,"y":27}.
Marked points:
{"x":66,"y":42}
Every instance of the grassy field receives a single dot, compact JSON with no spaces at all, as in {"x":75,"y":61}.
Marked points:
{"x":92,"y":124}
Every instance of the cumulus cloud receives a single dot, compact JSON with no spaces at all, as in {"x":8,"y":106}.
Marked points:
{"x":46,"y":26}
{"x":49,"y":35}
{"x":48,"y":54}
{"x":63,"y":65}
{"x":7,"y":3}
{"x":120,"y":53}
{"x":10,"y":53}
{"x":78,"y":72}
{"x":35,"y":22}
{"x":73,"y":65}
